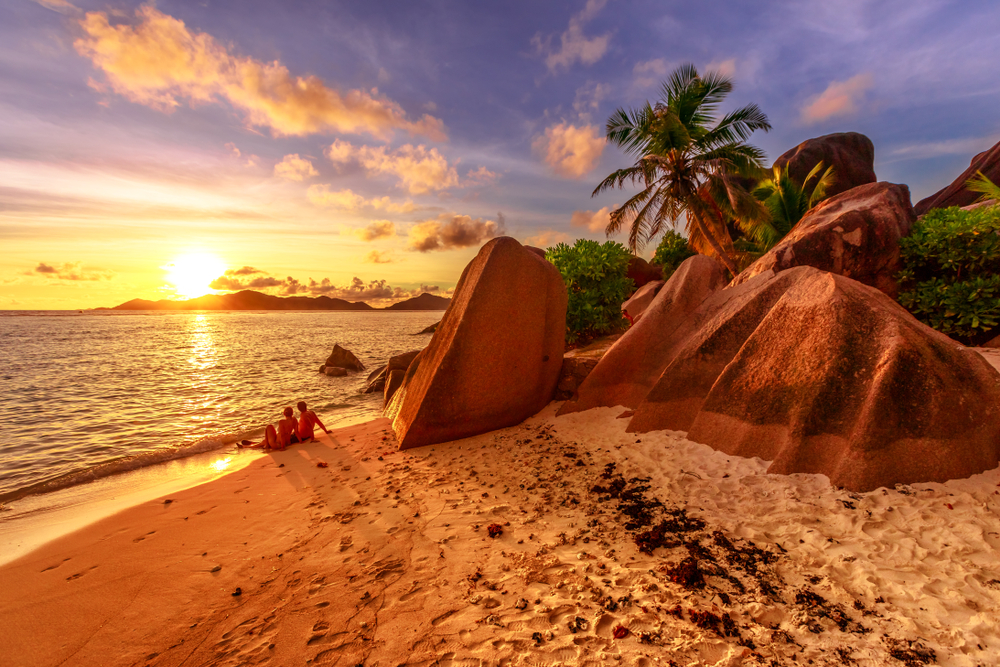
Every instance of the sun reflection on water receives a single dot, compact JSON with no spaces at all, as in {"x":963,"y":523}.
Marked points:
{"x":222,"y":464}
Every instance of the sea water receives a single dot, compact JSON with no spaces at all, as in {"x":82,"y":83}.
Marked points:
{"x":90,"y":395}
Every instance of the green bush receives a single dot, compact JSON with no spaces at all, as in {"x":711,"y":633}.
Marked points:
{"x":673,"y":250}
{"x":951,"y":271}
{"x":595,"y":276}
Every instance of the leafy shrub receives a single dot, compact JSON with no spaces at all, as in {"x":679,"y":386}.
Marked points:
{"x":673,"y":250}
{"x":595,"y":275}
{"x":951,"y":271}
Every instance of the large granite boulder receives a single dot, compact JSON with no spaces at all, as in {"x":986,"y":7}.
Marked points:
{"x":637,"y":304}
{"x":341,"y":358}
{"x":955,"y":194}
{"x":642,"y":272}
{"x":855,"y":234}
{"x":578,"y":363}
{"x":632,"y":366}
{"x":495,"y":358}
{"x":377,"y":378}
{"x":852,"y":156}
{"x":819,"y":373}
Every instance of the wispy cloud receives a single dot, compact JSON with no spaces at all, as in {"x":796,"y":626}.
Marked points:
{"x":419,"y":169}
{"x":649,"y":72}
{"x":159,"y":61}
{"x":450,"y":231}
{"x":967,"y":146}
{"x":73,"y":271}
{"x":377,"y":229}
{"x":295,"y":168}
{"x":571,"y":151}
{"x":319,"y":194}
{"x":379,"y":257}
{"x":595,"y":221}
{"x":574,"y":45}
{"x":546,"y":238}
{"x":841,"y":98}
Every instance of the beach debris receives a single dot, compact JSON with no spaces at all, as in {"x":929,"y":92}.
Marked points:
{"x":494,"y":530}
{"x":537,"y":638}
{"x":322,"y":464}
{"x":620,"y":632}
{"x":216,"y":568}
{"x":238,"y":592}
{"x":686,"y":573}
{"x":910,"y":652}
{"x":521,"y":604}
{"x":578,"y":625}
{"x":168,"y":501}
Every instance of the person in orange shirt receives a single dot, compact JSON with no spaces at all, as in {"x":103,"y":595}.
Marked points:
{"x":307,"y":422}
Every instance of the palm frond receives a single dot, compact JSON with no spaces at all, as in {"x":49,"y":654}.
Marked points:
{"x":986,"y":188}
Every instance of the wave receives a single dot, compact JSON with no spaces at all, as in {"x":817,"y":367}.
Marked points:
{"x":126,"y":464}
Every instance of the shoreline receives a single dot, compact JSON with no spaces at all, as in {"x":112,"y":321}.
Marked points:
{"x":384,"y":556}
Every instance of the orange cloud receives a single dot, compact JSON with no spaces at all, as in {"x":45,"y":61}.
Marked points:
{"x":347,"y":200}
{"x":449,"y":231}
{"x":295,"y":168}
{"x":571,"y":151}
{"x":159,"y":61}
{"x":379,"y":257}
{"x":595,"y":221}
{"x":841,"y":98}
{"x":546,"y":238}
{"x":377,"y":229}
{"x":420,"y":170}
{"x":71,"y":271}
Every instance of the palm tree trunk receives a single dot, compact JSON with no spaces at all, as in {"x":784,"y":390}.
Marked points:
{"x":719,"y":252}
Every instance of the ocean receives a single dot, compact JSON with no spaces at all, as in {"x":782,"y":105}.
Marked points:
{"x":95,"y":394}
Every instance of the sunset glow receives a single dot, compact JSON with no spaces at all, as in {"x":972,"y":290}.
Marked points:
{"x":191,"y":273}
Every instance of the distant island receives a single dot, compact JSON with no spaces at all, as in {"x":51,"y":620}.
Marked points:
{"x":250,"y":300}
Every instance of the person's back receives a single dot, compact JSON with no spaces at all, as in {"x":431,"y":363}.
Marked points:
{"x":287,"y":429}
{"x":307,"y":422}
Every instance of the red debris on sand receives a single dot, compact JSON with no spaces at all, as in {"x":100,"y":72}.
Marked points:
{"x":620,"y":632}
{"x":494,"y":530}
{"x":949,"y":506}
{"x":321,"y":464}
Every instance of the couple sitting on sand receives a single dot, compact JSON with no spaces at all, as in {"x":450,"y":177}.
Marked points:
{"x":289,"y":430}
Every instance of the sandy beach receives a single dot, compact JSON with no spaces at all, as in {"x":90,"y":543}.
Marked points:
{"x":560,"y":541}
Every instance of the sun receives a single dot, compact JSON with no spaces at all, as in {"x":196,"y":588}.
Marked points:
{"x":191,"y":273}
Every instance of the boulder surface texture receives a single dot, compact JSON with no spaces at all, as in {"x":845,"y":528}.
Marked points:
{"x":851,"y":154}
{"x":632,"y":366}
{"x":637,"y":304}
{"x":955,"y":194}
{"x":822,"y":374}
{"x":341,"y":358}
{"x":855,"y":234}
{"x":495,"y":358}
{"x":642,"y":272}
{"x":377,"y":378}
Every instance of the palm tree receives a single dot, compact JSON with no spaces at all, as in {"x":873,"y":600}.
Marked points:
{"x":785,"y":202}
{"x":685,"y":164}
{"x":986,"y":188}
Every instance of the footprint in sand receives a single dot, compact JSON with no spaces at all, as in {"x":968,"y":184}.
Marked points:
{"x":52,"y":567}
{"x":80,"y":574}
{"x":142,"y":537}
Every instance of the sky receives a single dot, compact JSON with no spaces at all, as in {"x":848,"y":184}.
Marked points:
{"x":366,"y":151}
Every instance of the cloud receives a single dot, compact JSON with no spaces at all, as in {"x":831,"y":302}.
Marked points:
{"x":966,"y":146}
{"x":71,"y":271}
{"x":573,"y":44}
{"x":419,"y":169}
{"x":358,"y":290}
{"x":841,"y":98}
{"x":571,"y":151}
{"x":377,"y":230}
{"x":232,"y":283}
{"x":243,"y":271}
{"x":726,"y":67}
{"x":159,"y":61}
{"x":379,"y":257}
{"x":449,"y":231}
{"x":595,"y":221}
{"x":60,"y":6}
{"x":588,"y":98}
{"x":319,"y":194}
{"x":481,"y":176}
{"x":649,"y":73}
{"x":295,"y":168}
{"x":546,"y":238}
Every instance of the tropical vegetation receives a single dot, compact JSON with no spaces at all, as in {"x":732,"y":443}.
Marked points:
{"x":673,"y":250}
{"x":596,"y":278}
{"x":951,"y":272}
{"x":687,"y":162}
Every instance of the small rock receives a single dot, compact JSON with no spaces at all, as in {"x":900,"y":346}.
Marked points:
{"x":216,"y":568}
{"x":238,"y":592}
{"x":521,"y":604}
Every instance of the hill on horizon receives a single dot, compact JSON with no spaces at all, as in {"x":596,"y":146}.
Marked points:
{"x":251,"y":300}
